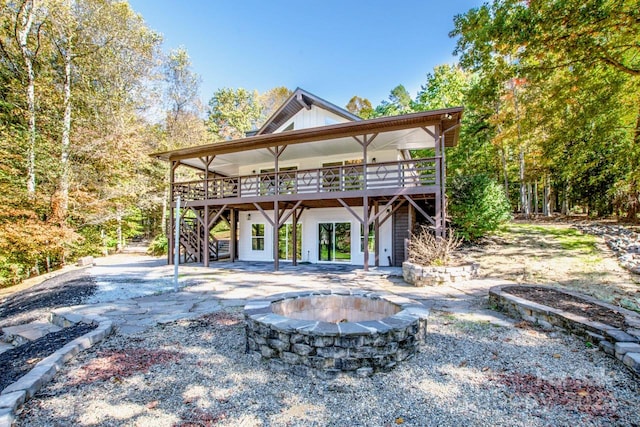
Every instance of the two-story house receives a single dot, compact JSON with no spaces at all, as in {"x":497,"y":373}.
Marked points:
{"x":314,"y":184}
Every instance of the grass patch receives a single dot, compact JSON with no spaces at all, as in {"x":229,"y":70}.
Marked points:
{"x":568,"y":238}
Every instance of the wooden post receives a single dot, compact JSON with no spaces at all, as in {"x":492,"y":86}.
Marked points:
{"x":276,"y":230}
{"x":439,"y":184}
{"x":294,"y":230}
{"x":233,"y":239}
{"x":365,"y":203}
{"x":376,"y":233}
{"x":206,"y":237}
{"x":443,"y":178}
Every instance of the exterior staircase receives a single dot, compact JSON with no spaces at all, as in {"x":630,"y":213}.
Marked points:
{"x":192,"y":241}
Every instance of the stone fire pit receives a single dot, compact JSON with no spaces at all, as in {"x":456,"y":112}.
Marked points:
{"x":327,"y":333}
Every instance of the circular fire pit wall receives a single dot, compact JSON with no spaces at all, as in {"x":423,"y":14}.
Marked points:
{"x":326,"y":333}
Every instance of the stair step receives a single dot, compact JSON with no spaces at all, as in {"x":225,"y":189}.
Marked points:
{"x":21,"y":334}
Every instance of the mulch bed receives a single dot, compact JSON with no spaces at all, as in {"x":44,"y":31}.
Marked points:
{"x":19,"y":361}
{"x":562,"y":301}
{"x":65,"y":290}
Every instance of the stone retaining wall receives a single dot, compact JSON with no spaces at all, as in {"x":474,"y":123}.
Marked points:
{"x":419,"y":275}
{"x":324,"y":349}
{"x":624,"y":345}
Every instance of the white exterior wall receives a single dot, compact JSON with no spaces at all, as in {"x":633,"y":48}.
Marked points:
{"x":312,"y":118}
{"x":309,"y":221}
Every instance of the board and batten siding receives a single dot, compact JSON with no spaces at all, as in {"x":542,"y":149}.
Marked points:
{"x":400,"y":233}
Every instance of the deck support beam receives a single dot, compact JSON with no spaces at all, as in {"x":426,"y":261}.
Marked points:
{"x":376,"y":233}
{"x":365,"y":142}
{"x":276,"y":152}
{"x":233,"y":238}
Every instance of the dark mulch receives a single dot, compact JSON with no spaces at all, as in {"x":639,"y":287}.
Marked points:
{"x":67,"y":289}
{"x":562,"y":301}
{"x":17,"y":362}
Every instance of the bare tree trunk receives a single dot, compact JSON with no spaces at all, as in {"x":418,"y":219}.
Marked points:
{"x":535,"y":197}
{"x":546,"y":204}
{"x":119,"y":233}
{"x":66,"y":132}
{"x":504,"y":171}
{"x":165,"y":203}
{"x":565,"y":200}
{"x":523,"y":187}
{"x":26,"y":17}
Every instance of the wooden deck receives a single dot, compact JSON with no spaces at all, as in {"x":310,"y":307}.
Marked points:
{"x":388,"y":178}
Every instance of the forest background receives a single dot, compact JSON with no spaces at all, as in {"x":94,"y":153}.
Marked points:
{"x":551,"y":91}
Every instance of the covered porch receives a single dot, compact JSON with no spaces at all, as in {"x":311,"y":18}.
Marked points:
{"x":378,"y":179}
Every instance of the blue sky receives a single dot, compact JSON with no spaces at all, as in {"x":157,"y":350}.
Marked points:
{"x":334,"y":49}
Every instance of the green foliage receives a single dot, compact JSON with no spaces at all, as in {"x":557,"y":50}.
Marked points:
{"x":360,"y":107}
{"x":399,"y":102}
{"x":477,"y":205}
{"x":159,"y":246}
{"x":556,"y":98}
{"x":233,"y":112}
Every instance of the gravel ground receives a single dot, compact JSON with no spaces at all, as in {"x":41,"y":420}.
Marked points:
{"x":195,"y":373}
{"x":18,"y":361}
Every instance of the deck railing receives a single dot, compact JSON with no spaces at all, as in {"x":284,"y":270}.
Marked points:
{"x":399,"y":174}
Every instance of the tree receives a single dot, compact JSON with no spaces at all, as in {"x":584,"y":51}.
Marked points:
{"x":233,"y":112}
{"x":182,"y":85}
{"x":360,"y":107}
{"x":24,"y":24}
{"x":399,"y":103}
{"x":271,"y":100}
{"x":477,"y":205}
{"x":445,"y":87}
{"x":567,"y":51}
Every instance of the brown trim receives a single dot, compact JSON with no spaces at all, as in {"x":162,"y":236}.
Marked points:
{"x":264,"y":214}
{"x":419,"y":209}
{"x":432,"y":189}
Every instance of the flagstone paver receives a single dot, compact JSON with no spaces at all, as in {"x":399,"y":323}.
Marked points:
{"x":206,"y":290}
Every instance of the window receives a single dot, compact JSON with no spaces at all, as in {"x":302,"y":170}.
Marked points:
{"x":372,"y":238}
{"x":257,"y":237}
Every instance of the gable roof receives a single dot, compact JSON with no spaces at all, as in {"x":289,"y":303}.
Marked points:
{"x":298,"y":100}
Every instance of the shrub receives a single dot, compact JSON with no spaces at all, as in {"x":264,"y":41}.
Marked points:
{"x":426,"y":249}
{"x":159,"y":246}
{"x":477,"y":205}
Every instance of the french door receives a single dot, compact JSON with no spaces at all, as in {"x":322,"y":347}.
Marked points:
{"x":334,"y":241}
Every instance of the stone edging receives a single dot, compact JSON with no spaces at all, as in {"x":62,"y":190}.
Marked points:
{"x":624,"y":345}
{"x":419,"y":275}
{"x":324,"y":349}
{"x":13,"y":396}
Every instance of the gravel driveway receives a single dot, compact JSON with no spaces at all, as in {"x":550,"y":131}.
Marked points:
{"x":195,"y":373}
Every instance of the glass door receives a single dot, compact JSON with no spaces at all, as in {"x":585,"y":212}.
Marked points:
{"x":334,"y":241}
{"x":285,"y":242}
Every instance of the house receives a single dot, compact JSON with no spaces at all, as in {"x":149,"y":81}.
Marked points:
{"x":314,"y":184}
